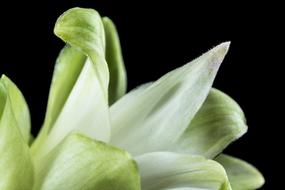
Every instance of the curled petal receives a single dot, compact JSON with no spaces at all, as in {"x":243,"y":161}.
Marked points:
{"x":242,"y":175}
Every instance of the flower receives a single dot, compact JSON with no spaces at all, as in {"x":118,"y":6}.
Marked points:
{"x":167,"y":134}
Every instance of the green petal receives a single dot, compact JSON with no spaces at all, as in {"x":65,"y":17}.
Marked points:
{"x":242,"y":175}
{"x":159,"y":115}
{"x":118,"y":77}
{"x":19,"y":107}
{"x":85,"y":111}
{"x":166,"y":170}
{"x":78,"y":97}
{"x":219,"y":122}
{"x":16,"y":170}
{"x":68,"y":66}
{"x":83,"y":29}
{"x":80,"y":163}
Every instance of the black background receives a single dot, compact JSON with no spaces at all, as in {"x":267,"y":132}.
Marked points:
{"x":156,"y":38}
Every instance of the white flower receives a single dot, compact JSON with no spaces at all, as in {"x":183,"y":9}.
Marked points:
{"x":166,"y":134}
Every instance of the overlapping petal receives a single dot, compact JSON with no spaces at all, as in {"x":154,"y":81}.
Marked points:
{"x":83,"y":29}
{"x":16,"y":168}
{"x":19,"y":107}
{"x":114,"y":58}
{"x":242,"y":175}
{"x":166,"y":170}
{"x":219,"y":122}
{"x":78,"y":96}
{"x":80,"y":163}
{"x":156,"y":118}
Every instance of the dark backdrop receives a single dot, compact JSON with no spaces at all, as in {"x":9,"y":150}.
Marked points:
{"x":157,"y":38}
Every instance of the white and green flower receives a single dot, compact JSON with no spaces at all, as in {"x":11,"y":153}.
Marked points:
{"x":167,"y":134}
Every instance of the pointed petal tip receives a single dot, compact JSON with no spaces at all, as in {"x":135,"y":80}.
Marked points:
{"x":3,"y":76}
{"x":225,"y":46}
{"x":222,"y":49}
{"x":217,"y":55}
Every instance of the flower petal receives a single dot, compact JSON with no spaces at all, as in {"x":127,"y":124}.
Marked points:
{"x":166,"y":170}
{"x":19,"y":107}
{"x":219,"y":122}
{"x":85,"y":111}
{"x":68,"y":67}
{"x":156,"y":118}
{"x":83,"y":29}
{"x":241,"y":174}
{"x":80,"y":163}
{"x":78,"y":97}
{"x":16,"y":169}
{"x":132,"y":95}
{"x":118,"y":77}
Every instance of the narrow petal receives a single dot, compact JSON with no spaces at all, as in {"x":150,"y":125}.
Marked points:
{"x":80,"y":163}
{"x":85,"y":111}
{"x":166,"y":170}
{"x":118,"y":77}
{"x":78,"y":96}
{"x":83,"y":28}
{"x":219,"y":122}
{"x":19,"y":107}
{"x":68,"y":66}
{"x":157,"y":117}
{"x":242,"y":175}
{"x":16,"y":169}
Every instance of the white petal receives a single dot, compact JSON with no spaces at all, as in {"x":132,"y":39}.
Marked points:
{"x":85,"y":111}
{"x":86,"y":114}
{"x":157,"y":117}
{"x":167,"y":170}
